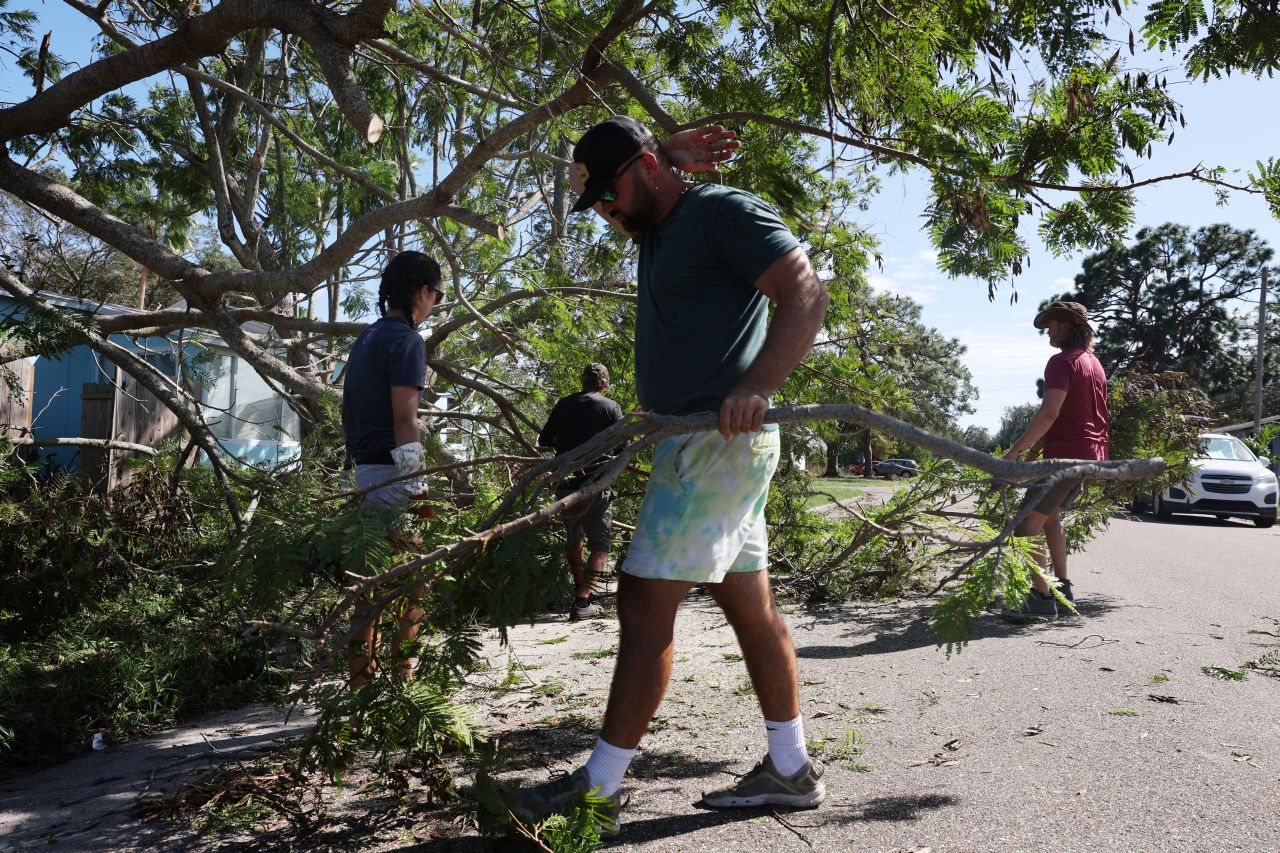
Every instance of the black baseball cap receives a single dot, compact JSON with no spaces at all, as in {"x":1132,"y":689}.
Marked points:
{"x":603,"y":150}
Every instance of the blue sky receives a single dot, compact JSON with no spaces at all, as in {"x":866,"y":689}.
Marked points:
{"x":1232,"y":122}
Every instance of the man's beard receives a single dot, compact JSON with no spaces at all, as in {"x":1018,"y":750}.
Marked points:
{"x":643,"y":213}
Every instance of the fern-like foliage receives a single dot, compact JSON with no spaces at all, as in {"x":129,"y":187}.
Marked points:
{"x":1220,"y":36}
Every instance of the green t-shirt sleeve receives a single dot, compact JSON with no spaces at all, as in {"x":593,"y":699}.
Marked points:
{"x":749,"y":235}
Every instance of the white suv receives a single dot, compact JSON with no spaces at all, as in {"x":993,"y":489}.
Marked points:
{"x":1227,"y":480}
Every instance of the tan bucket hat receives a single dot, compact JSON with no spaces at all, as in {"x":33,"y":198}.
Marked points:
{"x":1067,"y":312}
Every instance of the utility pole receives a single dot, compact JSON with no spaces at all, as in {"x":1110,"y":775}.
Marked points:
{"x":1262,"y":349}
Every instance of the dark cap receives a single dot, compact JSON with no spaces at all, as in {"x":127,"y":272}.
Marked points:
{"x":601,"y":152}
{"x":1066,"y":312}
{"x":595,"y":376}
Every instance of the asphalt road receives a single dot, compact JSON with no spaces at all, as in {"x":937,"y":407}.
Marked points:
{"x":1093,"y":734}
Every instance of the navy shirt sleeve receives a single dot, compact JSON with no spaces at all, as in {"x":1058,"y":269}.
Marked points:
{"x":406,"y":362}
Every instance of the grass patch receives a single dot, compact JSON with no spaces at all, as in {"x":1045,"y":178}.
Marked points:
{"x":840,"y":488}
{"x":554,"y":641}
{"x":1123,"y":712}
{"x":1223,"y":672}
{"x":1161,"y":677}
{"x":599,"y":654}
{"x":847,"y":751}
{"x":550,"y":688}
{"x":844,"y":489}
{"x":731,"y":656}
{"x":1268,"y":664}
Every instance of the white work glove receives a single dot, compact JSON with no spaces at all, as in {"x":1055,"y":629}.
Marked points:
{"x":410,"y":458}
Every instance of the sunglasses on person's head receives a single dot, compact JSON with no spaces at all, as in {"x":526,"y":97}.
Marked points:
{"x":610,"y":193}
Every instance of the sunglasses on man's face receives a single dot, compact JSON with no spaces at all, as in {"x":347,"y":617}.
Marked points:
{"x":610,"y":193}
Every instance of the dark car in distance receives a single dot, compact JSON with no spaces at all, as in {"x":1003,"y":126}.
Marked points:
{"x":897,"y":468}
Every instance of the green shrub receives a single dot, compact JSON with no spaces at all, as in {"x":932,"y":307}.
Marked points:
{"x":114,"y":619}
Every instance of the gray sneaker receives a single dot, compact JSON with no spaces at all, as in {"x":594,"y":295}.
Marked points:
{"x":1036,"y":605}
{"x":536,"y":803}
{"x":583,"y":608}
{"x":764,"y":785}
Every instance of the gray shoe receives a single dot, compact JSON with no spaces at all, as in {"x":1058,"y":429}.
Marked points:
{"x":583,"y":609}
{"x":536,"y":803}
{"x":765,"y":786}
{"x":1036,"y":605}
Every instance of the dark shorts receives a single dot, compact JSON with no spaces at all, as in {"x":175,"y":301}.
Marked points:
{"x":1060,"y":496}
{"x":593,"y":520}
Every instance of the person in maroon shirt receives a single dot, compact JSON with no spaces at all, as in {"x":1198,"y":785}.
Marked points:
{"x":1070,"y":424}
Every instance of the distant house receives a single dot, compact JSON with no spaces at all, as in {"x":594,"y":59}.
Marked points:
{"x":80,"y":394}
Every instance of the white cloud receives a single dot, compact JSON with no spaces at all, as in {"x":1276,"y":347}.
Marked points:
{"x":922,"y":295}
{"x":915,"y":277}
{"x":1005,"y":364}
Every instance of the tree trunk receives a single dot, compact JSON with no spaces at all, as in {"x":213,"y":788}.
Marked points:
{"x":868,"y":469}
{"x":833,"y":461}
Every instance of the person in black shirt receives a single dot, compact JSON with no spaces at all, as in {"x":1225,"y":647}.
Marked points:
{"x":574,"y":421}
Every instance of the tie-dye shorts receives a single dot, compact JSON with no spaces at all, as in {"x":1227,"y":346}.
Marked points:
{"x":703,"y":513}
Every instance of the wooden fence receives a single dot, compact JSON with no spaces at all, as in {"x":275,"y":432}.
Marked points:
{"x":125,"y":412}
{"x":16,"y":402}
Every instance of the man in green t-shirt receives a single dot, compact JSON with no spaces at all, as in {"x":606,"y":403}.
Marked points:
{"x":711,"y":258}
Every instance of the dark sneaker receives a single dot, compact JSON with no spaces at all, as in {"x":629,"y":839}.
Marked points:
{"x":765,"y":786}
{"x":561,"y":795}
{"x":583,"y":608}
{"x":1036,"y":605}
{"x":1064,"y":587}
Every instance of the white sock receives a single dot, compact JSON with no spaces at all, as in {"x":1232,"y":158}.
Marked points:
{"x":786,"y":745}
{"x":607,"y":765}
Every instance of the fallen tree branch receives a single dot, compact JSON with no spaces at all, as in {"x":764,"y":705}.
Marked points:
{"x":108,"y":443}
{"x":644,"y":430}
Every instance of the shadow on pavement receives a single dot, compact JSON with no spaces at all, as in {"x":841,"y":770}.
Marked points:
{"x":682,"y":824}
{"x":1192,"y":521}
{"x":903,"y":807}
{"x":676,"y":765}
{"x":548,"y":744}
{"x":885,"y":629}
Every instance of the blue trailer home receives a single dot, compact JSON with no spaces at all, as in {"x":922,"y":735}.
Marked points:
{"x":80,"y":394}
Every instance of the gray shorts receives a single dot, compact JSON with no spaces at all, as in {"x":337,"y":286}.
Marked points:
{"x":593,"y":520}
{"x":392,"y":495}
{"x":1060,"y":496}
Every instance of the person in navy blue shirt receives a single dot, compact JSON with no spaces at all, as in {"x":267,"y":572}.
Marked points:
{"x":384,"y":378}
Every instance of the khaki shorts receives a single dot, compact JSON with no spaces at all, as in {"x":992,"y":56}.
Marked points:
{"x":703,"y":512}
{"x":592,"y":520}
{"x":1060,"y":496}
